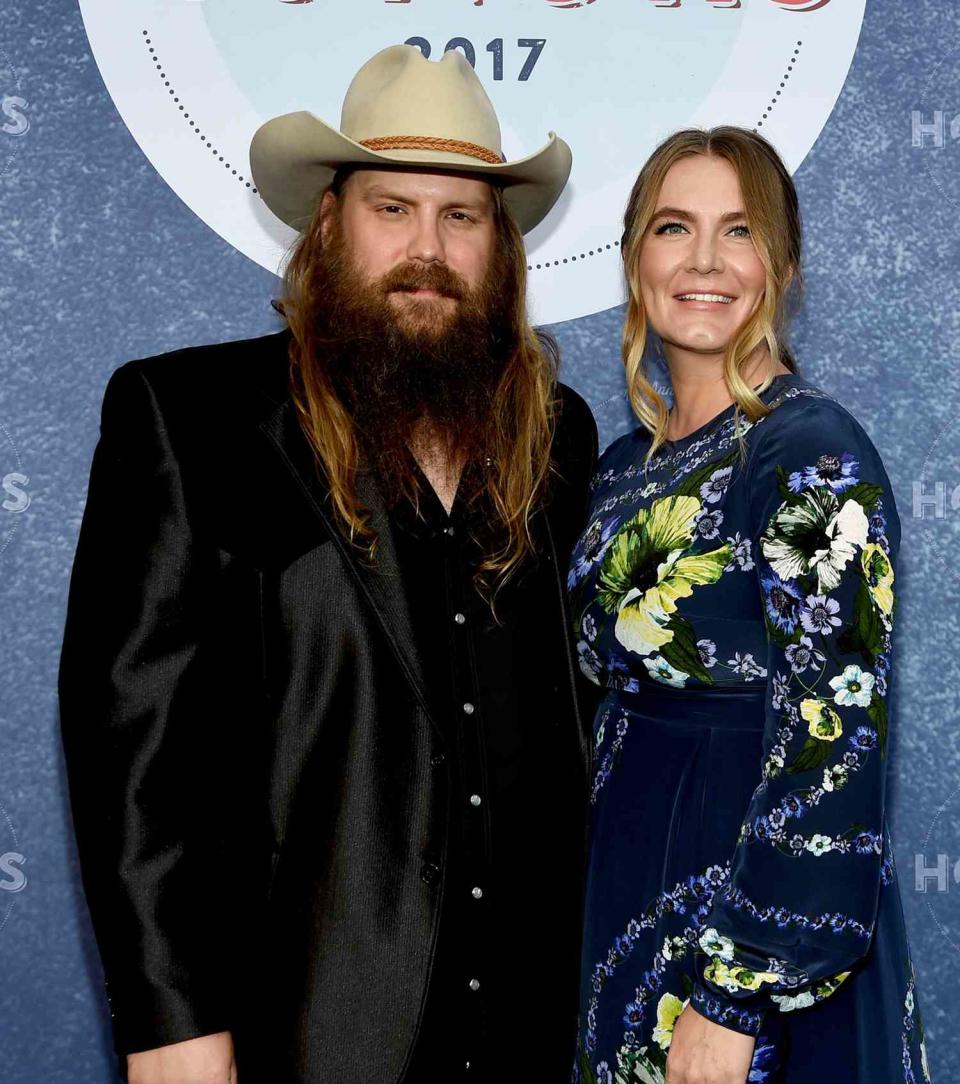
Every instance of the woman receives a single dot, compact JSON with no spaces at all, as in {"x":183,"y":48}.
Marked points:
{"x":734,"y":595}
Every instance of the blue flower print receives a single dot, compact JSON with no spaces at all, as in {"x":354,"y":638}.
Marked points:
{"x":716,"y":485}
{"x":783,"y":601}
{"x":591,"y":547}
{"x":839,"y":472}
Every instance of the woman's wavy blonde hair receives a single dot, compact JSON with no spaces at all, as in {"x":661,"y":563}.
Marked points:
{"x":773,"y":217}
{"x":523,"y":414}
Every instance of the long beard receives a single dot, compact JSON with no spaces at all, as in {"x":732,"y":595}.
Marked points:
{"x":408,"y":367}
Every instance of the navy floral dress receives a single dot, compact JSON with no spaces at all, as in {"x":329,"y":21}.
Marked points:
{"x":737,"y":605}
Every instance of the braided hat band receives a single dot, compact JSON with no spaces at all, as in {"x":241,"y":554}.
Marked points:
{"x":433,"y":143}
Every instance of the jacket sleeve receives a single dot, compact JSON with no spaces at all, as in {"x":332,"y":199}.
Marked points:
{"x":797,"y":913}
{"x":139,"y":731}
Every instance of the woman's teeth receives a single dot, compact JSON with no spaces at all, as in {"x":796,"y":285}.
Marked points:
{"x":722,"y":298}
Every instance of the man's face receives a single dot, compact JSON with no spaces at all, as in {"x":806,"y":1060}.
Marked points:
{"x":428,"y":237}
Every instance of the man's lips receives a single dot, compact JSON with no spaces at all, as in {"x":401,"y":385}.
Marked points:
{"x":419,"y":291}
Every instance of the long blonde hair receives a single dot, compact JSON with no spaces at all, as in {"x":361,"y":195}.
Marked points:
{"x":773,"y":216}
{"x":523,"y":414}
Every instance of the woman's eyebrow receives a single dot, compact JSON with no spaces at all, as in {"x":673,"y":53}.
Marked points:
{"x":688,"y":216}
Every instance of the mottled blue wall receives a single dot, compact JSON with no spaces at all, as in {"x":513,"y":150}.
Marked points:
{"x":102,"y":263}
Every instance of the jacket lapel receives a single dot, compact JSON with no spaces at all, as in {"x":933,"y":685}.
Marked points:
{"x":380,"y":581}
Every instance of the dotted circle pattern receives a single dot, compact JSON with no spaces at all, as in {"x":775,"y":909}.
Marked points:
{"x":186,"y":116}
{"x":599,"y":250}
{"x":783,"y":83}
{"x":603,"y":248}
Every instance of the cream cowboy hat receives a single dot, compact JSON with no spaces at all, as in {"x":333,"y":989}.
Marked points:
{"x":402,"y":108}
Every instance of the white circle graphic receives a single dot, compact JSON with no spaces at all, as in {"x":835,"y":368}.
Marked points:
{"x":194,"y":79}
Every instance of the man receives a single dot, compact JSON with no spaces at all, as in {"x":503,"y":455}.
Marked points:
{"x":318,"y":704}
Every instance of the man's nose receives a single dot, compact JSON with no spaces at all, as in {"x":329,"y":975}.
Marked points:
{"x":426,"y":244}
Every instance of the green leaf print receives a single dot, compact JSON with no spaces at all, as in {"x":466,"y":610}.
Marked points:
{"x":682,"y":653}
{"x":865,"y":493}
{"x":690,"y":486}
{"x":587,"y":1074}
{"x":865,"y":633}
{"x":877,"y":710}
{"x":812,"y":755}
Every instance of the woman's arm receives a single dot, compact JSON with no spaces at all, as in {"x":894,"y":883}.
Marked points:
{"x":797,"y":914}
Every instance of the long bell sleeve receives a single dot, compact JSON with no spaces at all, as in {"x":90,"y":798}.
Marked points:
{"x":797,"y":913}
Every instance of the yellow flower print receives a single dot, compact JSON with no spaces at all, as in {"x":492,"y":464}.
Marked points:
{"x":647,"y":568}
{"x":668,"y":1010}
{"x":879,"y":575}
{"x":736,"y":977}
{"x":822,"y":721}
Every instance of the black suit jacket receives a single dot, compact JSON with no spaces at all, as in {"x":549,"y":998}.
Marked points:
{"x":256,"y":779}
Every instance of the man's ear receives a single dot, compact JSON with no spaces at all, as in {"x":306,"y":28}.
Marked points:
{"x":327,"y":202}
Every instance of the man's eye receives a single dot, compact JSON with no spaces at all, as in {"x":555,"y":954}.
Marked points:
{"x":391,"y":207}
{"x":670,"y":227}
{"x":460,"y":216}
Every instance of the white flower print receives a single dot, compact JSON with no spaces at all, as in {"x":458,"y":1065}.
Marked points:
{"x":819,"y":614}
{"x":803,"y":654}
{"x":854,"y":687}
{"x":716,"y":485}
{"x":747,"y":666}
{"x":708,"y":652}
{"x":742,"y":557}
{"x":793,"y":527}
{"x":715,"y":944}
{"x":789,"y":1002}
{"x":819,"y":845}
{"x":706,"y":524}
{"x":660,"y":669}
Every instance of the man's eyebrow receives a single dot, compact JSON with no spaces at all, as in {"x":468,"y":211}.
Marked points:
{"x":378,"y":192}
{"x":686,"y":216}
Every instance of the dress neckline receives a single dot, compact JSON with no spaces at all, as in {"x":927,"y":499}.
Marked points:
{"x":726,"y":413}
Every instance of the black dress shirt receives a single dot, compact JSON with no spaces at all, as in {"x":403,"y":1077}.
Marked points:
{"x":504,"y":962}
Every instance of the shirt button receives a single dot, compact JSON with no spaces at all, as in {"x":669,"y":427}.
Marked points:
{"x":468,"y":708}
{"x":437,"y":759}
{"x":475,"y":800}
{"x":430,"y":873}
{"x":476,"y":892}
{"x":474,"y":984}
{"x":460,"y":619}
{"x":449,"y":531}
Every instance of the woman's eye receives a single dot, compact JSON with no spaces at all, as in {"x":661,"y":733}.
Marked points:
{"x":741,"y":231}
{"x":670,"y":227}
{"x":460,"y":216}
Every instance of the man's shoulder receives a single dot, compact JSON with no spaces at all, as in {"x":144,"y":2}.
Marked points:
{"x":211,"y":373}
{"x":574,"y":413}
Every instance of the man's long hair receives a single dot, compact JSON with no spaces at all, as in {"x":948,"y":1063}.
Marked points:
{"x":510,"y":466}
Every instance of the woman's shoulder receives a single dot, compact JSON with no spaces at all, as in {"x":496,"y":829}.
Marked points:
{"x":627,"y":446}
{"x":812,"y":442}
{"x":806,"y":416}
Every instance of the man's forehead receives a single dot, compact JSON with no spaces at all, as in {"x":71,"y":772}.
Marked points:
{"x":421,"y":183}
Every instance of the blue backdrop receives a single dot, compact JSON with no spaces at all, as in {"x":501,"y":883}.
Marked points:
{"x":103,"y":263}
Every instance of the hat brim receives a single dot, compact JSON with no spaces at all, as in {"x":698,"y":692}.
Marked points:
{"x":293,"y":158}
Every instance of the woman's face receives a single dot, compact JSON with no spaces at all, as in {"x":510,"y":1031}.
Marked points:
{"x":700,"y":276}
